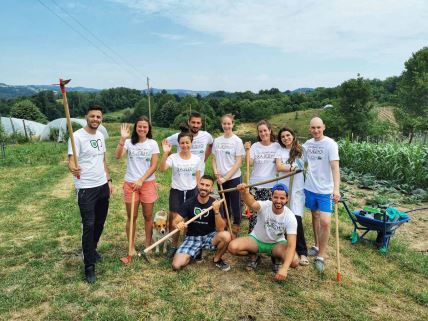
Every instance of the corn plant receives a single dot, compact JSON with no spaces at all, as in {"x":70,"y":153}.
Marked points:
{"x":402,"y":163}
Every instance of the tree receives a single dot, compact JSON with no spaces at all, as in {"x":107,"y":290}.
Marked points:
{"x":166,"y":114}
{"x":25,"y":109}
{"x":354,"y":106}
{"x":413,"y":93}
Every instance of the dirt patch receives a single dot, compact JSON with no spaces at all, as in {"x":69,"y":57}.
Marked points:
{"x":63,"y":188}
{"x":38,"y":313}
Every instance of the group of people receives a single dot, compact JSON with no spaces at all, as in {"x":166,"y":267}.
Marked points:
{"x":275,"y":226}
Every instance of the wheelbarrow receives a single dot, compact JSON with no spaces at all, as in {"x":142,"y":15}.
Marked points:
{"x":375,"y":219}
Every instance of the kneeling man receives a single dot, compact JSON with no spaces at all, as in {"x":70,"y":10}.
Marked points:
{"x":273,"y":220}
{"x":207,"y":232}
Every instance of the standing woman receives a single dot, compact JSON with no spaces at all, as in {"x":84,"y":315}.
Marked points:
{"x":186,"y":171}
{"x":262,"y":158}
{"x":143,"y":154}
{"x":227,"y":152}
{"x":288,"y":158}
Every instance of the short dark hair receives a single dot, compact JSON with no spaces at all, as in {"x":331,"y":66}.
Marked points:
{"x":94,"y":107}
{"x":195,"y":114}
{"x":209,"y":177}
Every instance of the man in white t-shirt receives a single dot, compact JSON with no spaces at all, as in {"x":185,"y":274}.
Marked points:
{"x":93,"y":186}
{"x":273,"y":220}
{"x":202,"y":141}
{"x":321,"y":186}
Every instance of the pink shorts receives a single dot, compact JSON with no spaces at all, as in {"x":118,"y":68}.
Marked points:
{"x":146,"y":194}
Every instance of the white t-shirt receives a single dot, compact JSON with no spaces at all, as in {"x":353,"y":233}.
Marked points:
{"x":199,"y":145}
{"x":298,"y":196}
{"x":270,"y":227}
{"x":264,"y":166}
{"x":319,"y":154}
{"x":184,"y":171}
{"x":225,"y":151}
{"x":139,"y":159}
{"x":90,"y":150}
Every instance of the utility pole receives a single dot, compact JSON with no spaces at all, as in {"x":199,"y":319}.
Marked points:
{"x":148,"y":96}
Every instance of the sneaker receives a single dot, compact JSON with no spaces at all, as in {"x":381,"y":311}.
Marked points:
{"x":275,"y":264}
{"x":313,"y":251}
{"x":98,"y":257}
{"x":171,"y":252}
{"x":252,"y":265}
{"x":90,"y":274}
{"x":198,"y":257}
{"x":222,"y":265}
{"x":319,"y":264}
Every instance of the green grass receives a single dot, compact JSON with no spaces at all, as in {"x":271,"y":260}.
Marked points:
{"x":42,"y":275}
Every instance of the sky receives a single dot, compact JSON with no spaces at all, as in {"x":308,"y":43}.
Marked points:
{"x":212,"y":45}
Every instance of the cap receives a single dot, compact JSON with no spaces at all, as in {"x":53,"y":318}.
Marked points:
{"x":279,"y":187}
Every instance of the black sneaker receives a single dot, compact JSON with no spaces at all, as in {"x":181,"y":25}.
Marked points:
{"x":90,"y":274}
{"x":222,"y":265}
{"x":98,"y":257}
{"x":198,"y":257}
{"x":252,"y":265}
{"x":171,"y":252}
{"x":275,"y":264}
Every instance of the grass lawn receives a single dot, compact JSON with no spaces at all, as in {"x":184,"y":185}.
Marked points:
{"x":41,"y":273}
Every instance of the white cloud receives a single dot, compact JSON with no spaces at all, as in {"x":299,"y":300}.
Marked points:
{"x":371,"y":29}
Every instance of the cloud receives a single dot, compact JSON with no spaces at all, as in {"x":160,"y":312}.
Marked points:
{"x":169,"y":36}
{"x":371,"y":29}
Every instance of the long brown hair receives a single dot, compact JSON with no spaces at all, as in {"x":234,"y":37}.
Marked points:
{"x":296,"y":148}
{"x":134,"y":135}
{"x":268,"y":125}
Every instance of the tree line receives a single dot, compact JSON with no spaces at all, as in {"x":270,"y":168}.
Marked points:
{"x":352,"y":112}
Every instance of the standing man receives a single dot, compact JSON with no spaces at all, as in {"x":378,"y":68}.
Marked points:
{"x":321,"y":186}
{"x":207,"y":232}
{"x":273,"y":220}
{"x":202,"y":141}
{"x":93,"y":185}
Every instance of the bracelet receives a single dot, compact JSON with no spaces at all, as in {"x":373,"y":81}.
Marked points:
{"x":110,"y":180}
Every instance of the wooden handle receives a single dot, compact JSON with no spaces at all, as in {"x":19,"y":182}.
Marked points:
{"x":226,"y":209}
{"x":247,"y":161}
{"x":290,"y":190}
{"x":336,"y":214}
{"x":68,"y":118}
{"x":131,"y":225}
{"x":263,"y":182}
{"x":176,"y":230}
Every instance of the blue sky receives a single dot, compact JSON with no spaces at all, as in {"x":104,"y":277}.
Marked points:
{"x":208,"y":45}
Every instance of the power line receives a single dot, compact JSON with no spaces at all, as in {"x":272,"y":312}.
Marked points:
{"x":97,"y":38}
{"x":117,"y":63}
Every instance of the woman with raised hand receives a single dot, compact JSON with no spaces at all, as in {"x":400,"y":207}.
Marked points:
{"x":143,"y":154}
{"x":262,"y":159}
{"x":289,"y":158}
{"x":227,"y":152}
{"x":186,"y":170}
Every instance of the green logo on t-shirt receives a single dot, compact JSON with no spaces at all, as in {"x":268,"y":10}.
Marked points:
{"x":96,"y":143}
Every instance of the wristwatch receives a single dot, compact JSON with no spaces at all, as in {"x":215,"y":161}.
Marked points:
{"x":110,"y":180}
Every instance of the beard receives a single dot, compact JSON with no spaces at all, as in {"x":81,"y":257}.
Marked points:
{"x":204,"y":192}
{"x":279,"y":206}
{"x":194,"y":130}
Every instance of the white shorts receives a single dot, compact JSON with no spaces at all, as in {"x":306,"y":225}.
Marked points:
{"x":297,"y":205}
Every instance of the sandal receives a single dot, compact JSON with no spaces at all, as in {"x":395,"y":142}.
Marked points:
{"x":303,"y":260}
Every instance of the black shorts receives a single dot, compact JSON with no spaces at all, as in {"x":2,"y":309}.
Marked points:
{"x":177,"y":198}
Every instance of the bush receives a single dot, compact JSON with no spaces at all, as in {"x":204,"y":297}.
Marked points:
{"x":26,"y":109}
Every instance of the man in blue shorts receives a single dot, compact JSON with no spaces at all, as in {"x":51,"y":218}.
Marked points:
{"x":321,"y":186}
{"x":273,"y":220}
{"x":207,"y":232}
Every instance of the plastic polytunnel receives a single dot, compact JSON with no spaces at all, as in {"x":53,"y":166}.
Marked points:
{"x":61,"y":125}
{"x":16,"y":125}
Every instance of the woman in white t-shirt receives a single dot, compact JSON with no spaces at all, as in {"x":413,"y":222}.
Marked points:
{"x":143,"y":155}
{"x":227,"y":154}
{"x":186,"y":171}
{"x":262,"y":159}
{"x":288,"y":158}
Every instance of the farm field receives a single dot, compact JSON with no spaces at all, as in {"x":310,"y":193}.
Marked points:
{"x":41,"y":271}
